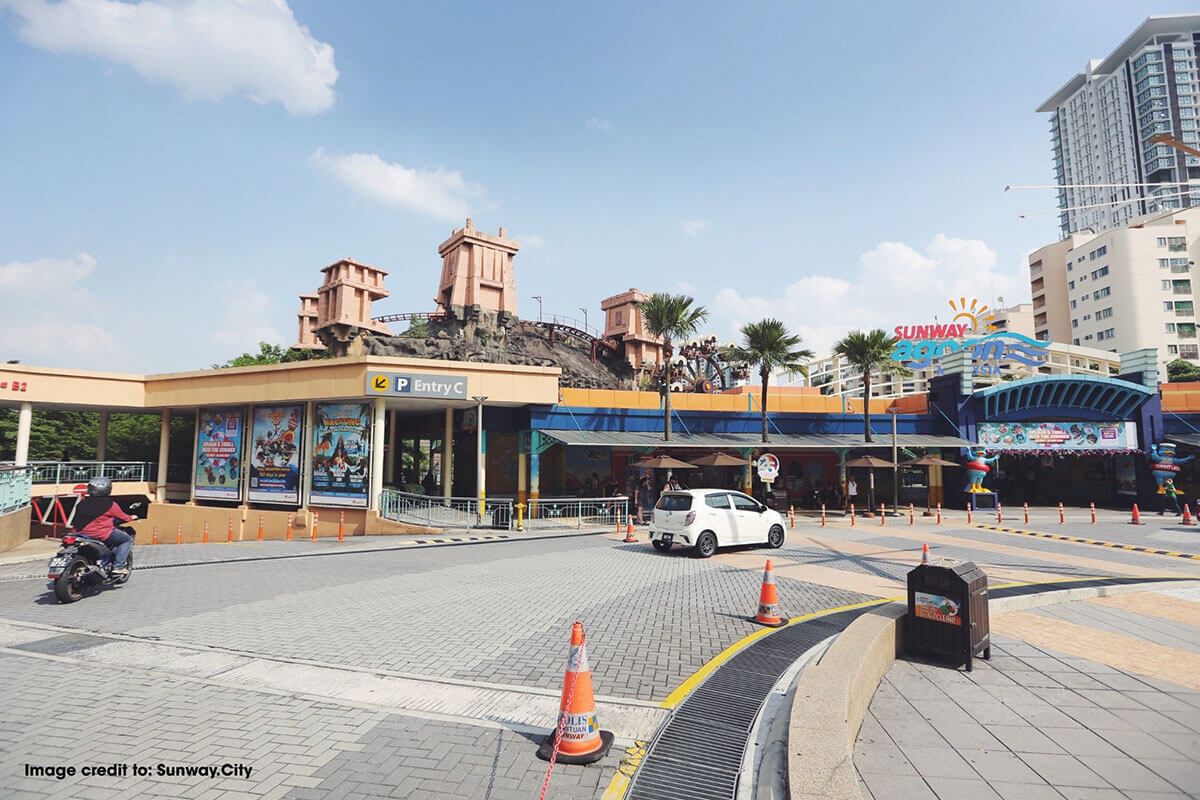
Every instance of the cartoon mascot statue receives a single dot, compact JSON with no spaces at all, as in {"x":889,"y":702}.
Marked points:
{"x":977,"y":469}
{"x":1164,"y":464}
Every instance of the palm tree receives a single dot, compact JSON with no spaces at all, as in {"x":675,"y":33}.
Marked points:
{"x":670,"y":317}
{"x":868,"y":351}
{"x":769,"y":345}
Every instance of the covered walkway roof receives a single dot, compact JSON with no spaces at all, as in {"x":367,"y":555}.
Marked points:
{"x":778,"y":441}
{"x":1108,"y":398}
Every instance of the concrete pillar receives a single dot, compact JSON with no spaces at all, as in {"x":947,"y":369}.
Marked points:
{"x":306,"y":463}
{"x":24,"y":424}
{"x":164,"y":449}
{"x":389,"y":466}
{"x":378,"y":434}
{"x":447,"y":452}
{"x":102,"y":438}
{"x":535,"y":480}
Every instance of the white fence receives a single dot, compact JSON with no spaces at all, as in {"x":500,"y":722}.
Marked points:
{"x":546,"y":513}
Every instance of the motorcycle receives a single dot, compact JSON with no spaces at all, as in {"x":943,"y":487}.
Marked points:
{"x":83,"y":562}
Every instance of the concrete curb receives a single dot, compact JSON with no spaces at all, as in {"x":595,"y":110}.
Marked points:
{"x":832,"y":696}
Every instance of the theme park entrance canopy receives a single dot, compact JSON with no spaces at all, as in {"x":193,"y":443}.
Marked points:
{"x":778,"y":441}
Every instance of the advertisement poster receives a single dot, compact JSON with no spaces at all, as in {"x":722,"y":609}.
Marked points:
{"x":936,"y":608}
{"x":1058,"y":435}
{"x":1126,"y":473}
{"x":341,"y":444}
{"x":275,"y":455}
{"x":218,"y":454}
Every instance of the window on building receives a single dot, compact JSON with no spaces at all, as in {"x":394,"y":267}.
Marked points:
{"x":1100,"y":251}
{"x":1187,"y":330}
{"x":1099,"y":273}
{"x":1074,"y":323}
{"x":1087,"y":338}
{"x":1106,"y":291}
{"x":1107,"y":333}
{"x":619,"y":313}
{"x":1173,"y":349}
{"x":1070,"y":284}
{"x":1189,"y":351}
{"x":1176,"y":244}
{"x":1183,"y":308}
{"x":1076,"y":341}
{"x":1169,"y":326}
{"x":1168,"y":305}
{"x":1072,"y":304}
{"x":1161,"y":241}
{"x":1181,"y":287}
{"x":1166,"y":286}
{"x":1163,"y":263}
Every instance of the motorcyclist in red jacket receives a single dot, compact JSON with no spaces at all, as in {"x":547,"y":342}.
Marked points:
{"x":99,"y":517}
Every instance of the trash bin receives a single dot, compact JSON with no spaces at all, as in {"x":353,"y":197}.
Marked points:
{"x":948,"y":612}
{"x":501,"y":516}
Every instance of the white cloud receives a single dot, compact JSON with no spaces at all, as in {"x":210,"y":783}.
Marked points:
{"x":529,"y":241}
{"x":895,"y":284}
{"x":442,"y":194}
{"x":53,"y":318}
{"x":246,"y":321}
{"x":208,"y":49}
{"x":693,"y":227}
{"x":598,"y":124}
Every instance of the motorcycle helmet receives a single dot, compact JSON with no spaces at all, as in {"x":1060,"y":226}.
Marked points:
{"x":99,"y":487}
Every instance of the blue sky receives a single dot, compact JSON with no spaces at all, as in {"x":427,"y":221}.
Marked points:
{"x":173,"y":174}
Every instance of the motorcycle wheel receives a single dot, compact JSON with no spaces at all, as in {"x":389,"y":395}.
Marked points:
{"x":69,"y":585}
{"x":125,"y":579}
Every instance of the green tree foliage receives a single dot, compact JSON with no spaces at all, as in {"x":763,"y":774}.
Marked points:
{"x":58,"y":435}
{"x":273,"y":354}
{"x":1180,"y":371}
{"x":868,"y":351}
{"x":769,"y":345}
{"x":671,"y":317}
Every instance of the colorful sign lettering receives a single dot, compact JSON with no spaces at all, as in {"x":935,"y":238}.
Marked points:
{"x":218,"y":454}
{"x":341,"y":450}
{"x":275,"y":454}
{"x":936,"y":608}
{"x":1057,"y":435}
{"x":920,"y":346}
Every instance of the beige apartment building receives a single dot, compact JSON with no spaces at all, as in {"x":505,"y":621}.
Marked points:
{"x":1122,"y":289}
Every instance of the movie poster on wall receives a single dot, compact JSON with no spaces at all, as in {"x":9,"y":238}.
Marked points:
{"x":340,"y":460}
{"x":275,"y":454}
{"x":218,"y":454}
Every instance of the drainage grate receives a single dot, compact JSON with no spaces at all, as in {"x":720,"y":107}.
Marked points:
{"x":698,"y":755}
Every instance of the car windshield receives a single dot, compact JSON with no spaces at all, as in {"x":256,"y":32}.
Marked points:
{"x":675,"y":502}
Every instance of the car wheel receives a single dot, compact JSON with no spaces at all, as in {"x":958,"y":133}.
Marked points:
{"x":775,"y":536}
{"x":706,"y":544}
{"x":661,"y":546}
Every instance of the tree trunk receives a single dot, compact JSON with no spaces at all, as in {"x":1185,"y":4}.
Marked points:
{"x":765,"y":377}
{"x":867,"y":405}
{"x":666,"y":390}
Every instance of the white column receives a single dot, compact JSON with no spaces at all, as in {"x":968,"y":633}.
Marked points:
{"x":306,"y":455}
{"x":389,"y":468}
{"x":378,"y":437}
{"x":447,"y":452}
{"x":102,"y":438}
{"x":24,"y":423}
{"x":164,"y":450}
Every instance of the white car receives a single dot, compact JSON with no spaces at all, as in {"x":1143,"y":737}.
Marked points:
{"x":706,"y":519}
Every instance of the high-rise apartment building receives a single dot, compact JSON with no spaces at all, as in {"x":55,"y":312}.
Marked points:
{"x":1102,"y":120}
{"x":1122,"y":289}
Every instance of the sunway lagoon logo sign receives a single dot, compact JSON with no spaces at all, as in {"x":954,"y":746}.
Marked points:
{"x":919,"y":346}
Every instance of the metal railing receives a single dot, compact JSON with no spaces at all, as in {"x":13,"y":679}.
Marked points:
{"x":446,"y":512}
{"x":576,"y":512}
{"x":16,"y":485}
{"x":83,"y":471}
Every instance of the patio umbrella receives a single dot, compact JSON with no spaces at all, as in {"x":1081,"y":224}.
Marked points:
{"x":663,"y":462}
{"x":928,"y":461}
{"x":870,"y":462}
{"x":719,"y":460}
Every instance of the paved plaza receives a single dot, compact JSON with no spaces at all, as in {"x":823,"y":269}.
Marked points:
{"x":374,"y":668}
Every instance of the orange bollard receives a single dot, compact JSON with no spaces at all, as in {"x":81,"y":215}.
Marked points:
{"x":911,"y":517}
{"x":316,"y":519}
{"x":260,"y":527}
{"x":155,"y":539}
{"x":1027,"y":513}
{"x":179,"y":534}
{"x":939,"y":514}
{"x":999,"y":512}
{"x":230,"y":537}
{"x":341,"y":526}
{"x":630,"y":538}
{"x":822,"y":515}
{"x":882,"y":514}
{"x":792,"y":515}
{"x":1093,"y":505}
{"x":577,"y":738}
{"x":852,"y":515}
{"x":925,"y":554}
{"x":768,"y":601}
{"x":968,"y":513}
{"x":205,"y":540}
{"x":1136,"y":518}
{"x":291,"y":520}
{"x":1061,"y":517}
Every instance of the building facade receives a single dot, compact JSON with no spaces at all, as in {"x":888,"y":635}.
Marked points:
{"x":1122,"y":289}
{"x":1102,"y":120}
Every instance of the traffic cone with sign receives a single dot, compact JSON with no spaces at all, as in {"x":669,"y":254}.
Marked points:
{"x":629,"y":537}
{"x":768,"y":601}
{"x":925,"y":554}
{"x":577,"y":738}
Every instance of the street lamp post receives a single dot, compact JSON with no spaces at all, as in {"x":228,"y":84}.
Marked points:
{"x":539,"y":299}
{"x":585,"y":325}
{"x":480,"y":452}
{"x":893,"y":410}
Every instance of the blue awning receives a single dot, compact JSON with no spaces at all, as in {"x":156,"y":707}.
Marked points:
{"x":1107,"y":398}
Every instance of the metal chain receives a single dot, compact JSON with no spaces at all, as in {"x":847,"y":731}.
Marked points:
{"x":562,"y":714}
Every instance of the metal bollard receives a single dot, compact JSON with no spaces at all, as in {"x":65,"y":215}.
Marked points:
{"x":521,"y":518}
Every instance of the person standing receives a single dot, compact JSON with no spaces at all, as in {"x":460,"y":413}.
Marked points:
{"x":1173,"y":494}
{"x":851,"y":493}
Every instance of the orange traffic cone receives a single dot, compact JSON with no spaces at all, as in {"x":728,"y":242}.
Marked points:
{"x":577,"y":738}
{"x":925,"y":554}
{"x":1136,"y":519}
{"x":768,"y":601}
{"x":629,"y":537}
{"x":1187,"y":515}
